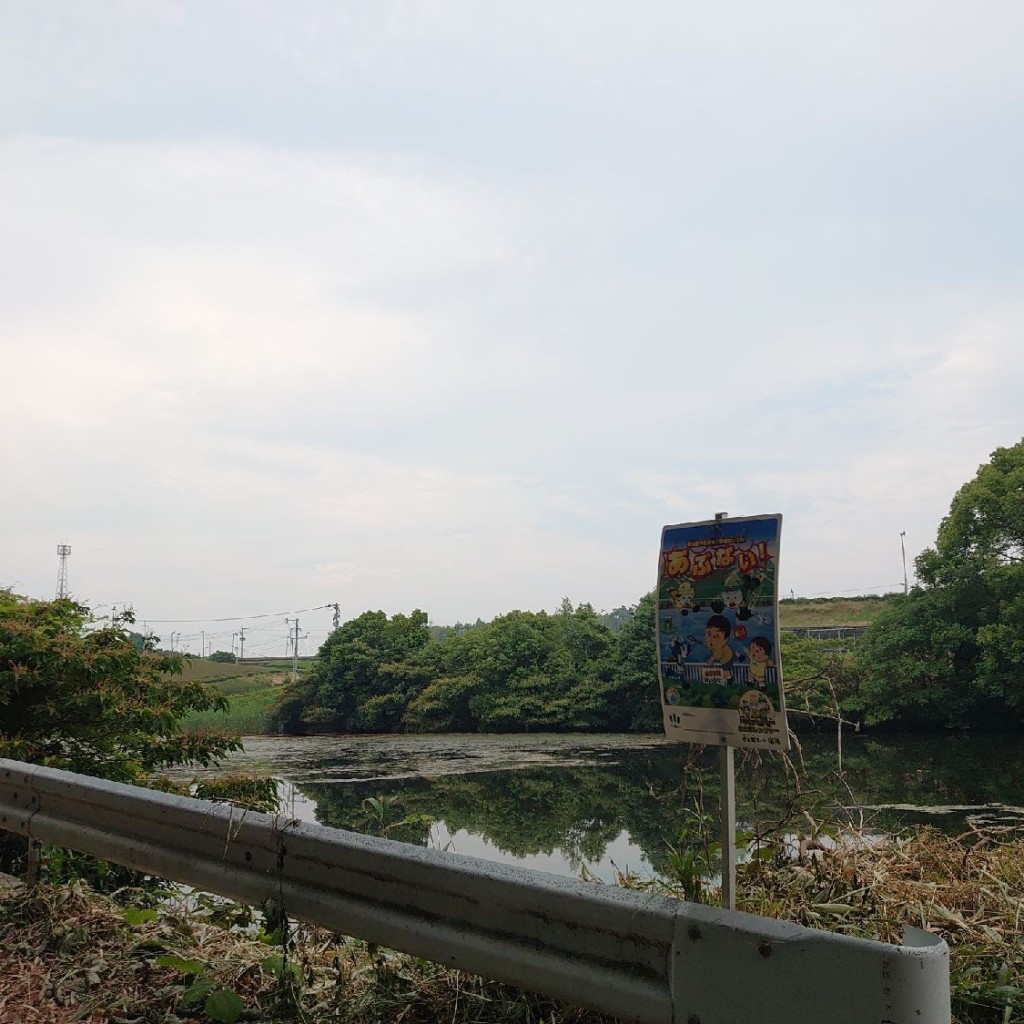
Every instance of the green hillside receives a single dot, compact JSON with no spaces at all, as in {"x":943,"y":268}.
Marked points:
{"x":832,"y":611}
{"x":221,"y":673}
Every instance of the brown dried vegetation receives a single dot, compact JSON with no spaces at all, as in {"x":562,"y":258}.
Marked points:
{"x":69,"y":954}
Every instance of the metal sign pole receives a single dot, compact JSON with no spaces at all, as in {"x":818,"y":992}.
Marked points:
{"x":727,"y":806}
{"x":727,"y":811}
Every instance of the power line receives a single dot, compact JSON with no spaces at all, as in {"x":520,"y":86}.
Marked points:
{"x":858,"y":590}
{"x":238,"y":618}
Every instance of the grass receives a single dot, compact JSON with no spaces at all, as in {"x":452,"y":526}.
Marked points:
{"x":221,"y":672}
{"x":968,"y":889}
{"x":247,"y":714}
{"x":251,"y":690}
{"x":70,"y":954}
{"x":247,"y":684}
{"x":67,"y":953}
{"x":833,"y":611}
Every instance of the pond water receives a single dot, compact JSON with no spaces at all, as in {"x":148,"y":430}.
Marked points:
{"x":598,"y":804}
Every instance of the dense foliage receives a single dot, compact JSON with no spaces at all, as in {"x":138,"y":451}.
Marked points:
{"x":951,"y":652}
{"x":948,"y":653}
{"x":523,"y":671}
{"x":89,"y":700}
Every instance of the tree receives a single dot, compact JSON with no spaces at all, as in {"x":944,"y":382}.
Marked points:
{"x":524,"y":671}
{"x":88,"y":700}
{"x":444,"y":706}
{"x":951,"y":651}
{"x":364,"y":677}
{"x":986,"y":518}
{"x":637,"y":669}
{"x":223,"y":656}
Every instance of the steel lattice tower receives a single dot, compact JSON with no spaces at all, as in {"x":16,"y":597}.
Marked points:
{"x":63,"y":550}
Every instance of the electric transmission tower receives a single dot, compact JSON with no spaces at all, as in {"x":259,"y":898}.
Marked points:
{"x":63,"y":550}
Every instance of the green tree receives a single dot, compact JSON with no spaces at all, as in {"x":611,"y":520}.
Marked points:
{"x":637,"y":670}
{"x":543,"y":672}
{"x":365,"y":675}
{"x":950,"y":652}
{"x":88,"y":700}
{"x":524,"y":671}
{"x":444,"y":706}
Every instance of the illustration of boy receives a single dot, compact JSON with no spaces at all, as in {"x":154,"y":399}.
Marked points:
{"x":716,"y":640}
{"x":760,"y":661}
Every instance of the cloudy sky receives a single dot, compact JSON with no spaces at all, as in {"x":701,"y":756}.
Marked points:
{"x":453,"y":305}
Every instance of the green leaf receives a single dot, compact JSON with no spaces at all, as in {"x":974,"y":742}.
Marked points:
{"x":835,"y":909}
{"x":282,"y":968}
{"x":274,"y":964}
{"x":178,"y":963}
{"x":224,"y":1006}
{"x":197,"y":992}
{"x":137,"y":915}
{"x":150,"y":946}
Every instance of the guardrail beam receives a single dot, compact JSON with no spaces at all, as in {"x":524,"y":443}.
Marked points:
{"x":638,"y":956}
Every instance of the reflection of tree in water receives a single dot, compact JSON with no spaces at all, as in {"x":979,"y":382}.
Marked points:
{"x":577,"y":811}
{"x":574,"y":811}
{"x":924,"y":770}
{"x":928,"y":769}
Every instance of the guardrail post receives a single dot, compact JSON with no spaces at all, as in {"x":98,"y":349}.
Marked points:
{"x":730,"y":968}
{"x":34,"y":868}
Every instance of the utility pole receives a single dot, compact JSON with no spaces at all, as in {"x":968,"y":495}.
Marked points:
{"x":63,"y":550}
{"x":241,"y":640}
{"x":295,"y":649}
{"x":233,"y":638}
{"x":903,"y":548}
{"x":204,"y":643}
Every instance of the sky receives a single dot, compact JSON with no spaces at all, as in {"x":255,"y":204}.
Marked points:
{"x":454,"y":305}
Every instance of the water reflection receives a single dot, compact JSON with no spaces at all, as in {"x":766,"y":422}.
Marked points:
{"x":604,"y":803}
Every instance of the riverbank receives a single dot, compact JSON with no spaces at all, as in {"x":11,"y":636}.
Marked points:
{"x":67,"y":953}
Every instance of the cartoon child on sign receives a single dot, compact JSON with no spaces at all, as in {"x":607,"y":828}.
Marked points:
{"x":716,"y":640}
{"x":760,"y":652}
{"x":683,"y":597}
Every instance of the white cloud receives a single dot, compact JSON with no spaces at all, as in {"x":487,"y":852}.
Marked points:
{"x":419,"y":305}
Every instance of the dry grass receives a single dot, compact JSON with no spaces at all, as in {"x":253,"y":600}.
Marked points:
{"x":67,"y":954}
{"x":968,"y":889}
{"x":244,"y":676}
{"x":834,"y":612}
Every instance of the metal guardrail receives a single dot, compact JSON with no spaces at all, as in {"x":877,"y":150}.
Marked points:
{"x":641,"y":957}
{"x":824,"y":632}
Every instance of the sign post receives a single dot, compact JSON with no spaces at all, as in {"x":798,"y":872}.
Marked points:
{"x":718,"y":642}
{"x":727,"y":809}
